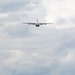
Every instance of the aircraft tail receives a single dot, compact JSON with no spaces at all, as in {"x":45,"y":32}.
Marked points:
{"x":37,"y":21}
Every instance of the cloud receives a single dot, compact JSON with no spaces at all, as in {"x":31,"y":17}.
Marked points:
{"x":60,"y":13}
{"x":27,"y":50}
{"x":10,"y":6}
{"x":40,"y":55}
{"x":3,"y":15}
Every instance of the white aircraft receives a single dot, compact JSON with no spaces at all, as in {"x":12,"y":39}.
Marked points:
{"x":37,"y":24}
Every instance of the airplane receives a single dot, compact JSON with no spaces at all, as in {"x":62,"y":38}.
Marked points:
{"x":37,"y":24}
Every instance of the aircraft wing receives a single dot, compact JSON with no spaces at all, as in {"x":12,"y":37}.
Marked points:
{"x":30,"y":23}
{"x":44,"y":23}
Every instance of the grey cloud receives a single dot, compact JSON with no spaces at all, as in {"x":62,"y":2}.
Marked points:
{"x":61,"y":21}
{"x":12,"y":7}
{"x":17,"y":31}
{"x":73,"y":20}
{"x":27,"y":50}
{"x":18,"y":5}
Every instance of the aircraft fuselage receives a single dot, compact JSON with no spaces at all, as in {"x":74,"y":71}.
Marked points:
{"x":37,"y":25}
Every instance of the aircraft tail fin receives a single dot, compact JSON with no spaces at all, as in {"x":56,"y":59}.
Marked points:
{"x":37,"y":20}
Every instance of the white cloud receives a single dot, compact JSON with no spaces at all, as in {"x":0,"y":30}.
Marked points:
{"x":69,"y":58}
{"x":4,"y":15}
{"x":60,"y":13}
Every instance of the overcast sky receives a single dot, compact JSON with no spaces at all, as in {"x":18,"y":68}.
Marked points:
{"x":46,"y":50}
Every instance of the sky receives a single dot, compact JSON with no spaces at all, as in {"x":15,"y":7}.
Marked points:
{"x":44,"y":50}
